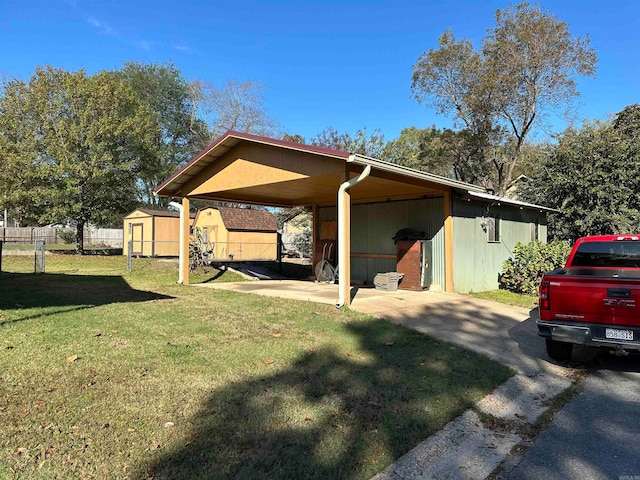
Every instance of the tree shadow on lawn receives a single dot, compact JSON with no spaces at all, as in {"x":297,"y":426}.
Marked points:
{"x":51,"y":294}
{"x":332,"y":414}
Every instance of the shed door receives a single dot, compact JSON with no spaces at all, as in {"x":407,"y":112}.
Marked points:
{"x":136,"y":238}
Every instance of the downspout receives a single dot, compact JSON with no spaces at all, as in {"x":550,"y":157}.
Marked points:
{"x":181,"y":250}
{"x":343,"y":281}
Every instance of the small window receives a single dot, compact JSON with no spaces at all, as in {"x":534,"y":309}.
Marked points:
{"x":205,"y":235}
{"x":493,"y":228}
{"x":535,"y":229}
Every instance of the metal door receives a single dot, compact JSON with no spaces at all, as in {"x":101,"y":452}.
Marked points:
{"x":426,"y":267}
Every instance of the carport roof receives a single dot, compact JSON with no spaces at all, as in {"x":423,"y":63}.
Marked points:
{"x":172,"y":185}
{"x":388,"y":175}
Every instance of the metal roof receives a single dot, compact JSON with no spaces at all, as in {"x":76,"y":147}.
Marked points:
{"x":172,"y":186}
{"x":509,"y":201}
{"x":410,"y":172}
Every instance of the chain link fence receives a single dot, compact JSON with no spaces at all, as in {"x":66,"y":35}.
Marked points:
{"x":218,"y":252}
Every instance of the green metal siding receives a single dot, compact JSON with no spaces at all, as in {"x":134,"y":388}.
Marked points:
{"x":373,"y":226}
{"x":477,"y":262}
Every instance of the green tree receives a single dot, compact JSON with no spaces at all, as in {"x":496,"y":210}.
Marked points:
{"x":169,"y":97}
{"x":77,"y":136}
{"x":524,"y":70}
{"x":235,"y":106}
{"x":592,"y":177}
{"x":360,"y":143}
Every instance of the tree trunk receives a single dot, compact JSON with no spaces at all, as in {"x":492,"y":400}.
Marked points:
{"x":80,"y":238}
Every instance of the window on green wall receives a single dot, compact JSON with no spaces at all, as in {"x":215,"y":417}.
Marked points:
{"x":493,"y":228}
{"x":535,"y":231}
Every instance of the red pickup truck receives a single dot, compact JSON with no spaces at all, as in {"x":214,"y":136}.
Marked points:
{"x":595,"y":299}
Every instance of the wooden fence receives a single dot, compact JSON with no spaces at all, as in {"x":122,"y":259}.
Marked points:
{"x":111,"y":237}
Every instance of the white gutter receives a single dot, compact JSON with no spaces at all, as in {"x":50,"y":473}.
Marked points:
{"x":343,"y":281}
{"x":181,"y":251}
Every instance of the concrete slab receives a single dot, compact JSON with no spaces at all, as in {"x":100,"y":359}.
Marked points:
{"x":522,"y":399}
{"x":463,"y":450}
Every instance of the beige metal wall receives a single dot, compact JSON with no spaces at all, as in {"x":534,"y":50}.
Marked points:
{"x":252,"y":245}
{"x":218,"y":236}
{"x":166,"y":233}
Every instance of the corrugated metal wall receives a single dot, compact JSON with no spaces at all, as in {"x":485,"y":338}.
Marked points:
{"x":374,"y":225}
{"x":477,"y":262}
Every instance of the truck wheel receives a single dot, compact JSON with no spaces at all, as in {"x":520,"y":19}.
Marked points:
{"x":559,"y":350}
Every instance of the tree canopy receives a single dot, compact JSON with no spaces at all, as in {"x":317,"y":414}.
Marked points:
{"x":169,"y":98}
{"x":592,"y":177}
{"x":76,"y":136}
{"x":526,"y":68}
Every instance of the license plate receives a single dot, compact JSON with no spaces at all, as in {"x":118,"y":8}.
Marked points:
{"x":616,"y":334}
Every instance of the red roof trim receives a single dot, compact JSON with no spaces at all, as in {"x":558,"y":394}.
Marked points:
{"x":253,"y":138}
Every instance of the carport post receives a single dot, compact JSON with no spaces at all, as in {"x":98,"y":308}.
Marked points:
{"x":344,"y":236}
{"x":448,"y":243}
{"x":184,"y":240}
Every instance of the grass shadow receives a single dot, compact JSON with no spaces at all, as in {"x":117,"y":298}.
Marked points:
{"x":27,"y":296}
{"x":332,"y":414}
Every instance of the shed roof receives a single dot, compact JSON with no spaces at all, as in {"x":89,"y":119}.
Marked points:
{"x":248,"y":219}
{"x":161,"y":213}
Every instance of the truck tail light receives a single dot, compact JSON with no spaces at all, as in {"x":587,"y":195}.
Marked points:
{"x":543,"y":296}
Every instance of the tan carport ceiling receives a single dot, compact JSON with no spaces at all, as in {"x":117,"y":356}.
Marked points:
{"x":245,"y":168}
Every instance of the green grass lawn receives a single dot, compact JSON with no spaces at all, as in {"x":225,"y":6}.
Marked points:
{"x":508,"y":298}
{"x":111,"y":374}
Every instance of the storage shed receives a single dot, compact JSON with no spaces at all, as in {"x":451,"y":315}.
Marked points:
{"x":154,"y":233}
{"x":238,"y":233}
{"x":359,"y":206}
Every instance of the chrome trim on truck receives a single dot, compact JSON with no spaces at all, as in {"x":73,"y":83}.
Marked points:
{"x":584,"y":334}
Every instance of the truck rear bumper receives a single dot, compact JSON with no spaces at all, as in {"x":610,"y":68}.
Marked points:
{"x":592,"y":335}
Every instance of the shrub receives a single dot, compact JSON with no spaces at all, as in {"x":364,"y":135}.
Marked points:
{"x":302,"y":242}
{"x":67,"y":236}
{"x":522,"y":272}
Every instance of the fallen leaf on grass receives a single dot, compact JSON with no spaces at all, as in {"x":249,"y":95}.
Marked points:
{"x":491,"y":445}
{"x":169,"y":424}
{"x":98,"y":335}
{"x":268,"y":361}
{"x":155,"y":446}
{"x":40,"y":401}
{"x":276,"y":335}
{"x":20,"y":451}
{"x":72,"y":358}
{"x":337,"y":426}
{"x":389,"y":344}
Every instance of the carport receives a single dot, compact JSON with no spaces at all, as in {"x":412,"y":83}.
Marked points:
{"x":250,"y":169}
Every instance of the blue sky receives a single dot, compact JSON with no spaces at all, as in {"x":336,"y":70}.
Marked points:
{"x":345,"y":64}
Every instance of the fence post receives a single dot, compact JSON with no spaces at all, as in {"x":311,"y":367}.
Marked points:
{"x":1,"y":242}
{"x":279,"y":251}
{"x":129,"y":250}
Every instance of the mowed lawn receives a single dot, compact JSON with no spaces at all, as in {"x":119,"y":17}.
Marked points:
{"x":111,"y":374}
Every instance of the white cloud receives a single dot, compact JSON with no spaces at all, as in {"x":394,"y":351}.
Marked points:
{"x":102,"y":27}
{"x":182,"y":48}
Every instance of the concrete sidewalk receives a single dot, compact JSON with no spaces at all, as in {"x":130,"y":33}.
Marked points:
{"x":466,"y":448}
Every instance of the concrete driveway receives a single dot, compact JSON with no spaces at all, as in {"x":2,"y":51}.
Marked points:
{"x":597,"y":435}
{"x":578,"y":444}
